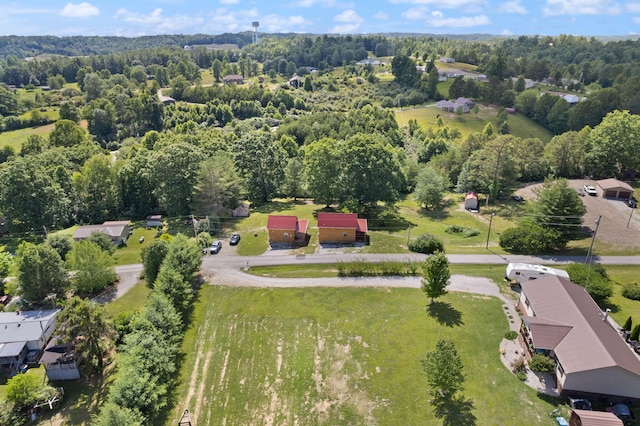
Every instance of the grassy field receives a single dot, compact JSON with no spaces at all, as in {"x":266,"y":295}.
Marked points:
{"x":341,"y":356}
{"x":15,"y":138}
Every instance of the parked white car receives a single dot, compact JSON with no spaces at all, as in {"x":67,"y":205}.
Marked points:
{"x":589,"y":189}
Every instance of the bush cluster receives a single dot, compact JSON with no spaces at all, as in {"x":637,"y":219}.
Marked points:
{"x":531,"y":239}
{"x":360,"y":268}
{"x":542,"y":363}
{"x":594,"y":278}
{"x":427,"y":244}
{"x":631,"y":291}
{"x":458,"y":229}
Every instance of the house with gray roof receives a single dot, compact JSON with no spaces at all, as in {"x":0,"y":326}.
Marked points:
{"x":561,"y":320}
{"x":23,"y":335}
{"x":118,"y":231}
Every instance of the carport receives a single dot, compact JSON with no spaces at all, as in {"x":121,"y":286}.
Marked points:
{"x":614,"y":188}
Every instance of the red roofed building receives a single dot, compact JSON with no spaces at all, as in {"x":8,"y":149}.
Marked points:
{"x":286,"y":229}
{"x":341,"y":228}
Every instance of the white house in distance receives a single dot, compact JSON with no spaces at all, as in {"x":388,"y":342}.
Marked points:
{"x":561,"y":320}
{"x":23,"y":335}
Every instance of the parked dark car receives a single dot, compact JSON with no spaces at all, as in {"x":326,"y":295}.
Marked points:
{"x":517,"y":198}
{"x":632,"y":203}
{"x":215,"y":247}
{"x":235,"y":239}
{"x":580,"y":404}
{"x":623,"y":412}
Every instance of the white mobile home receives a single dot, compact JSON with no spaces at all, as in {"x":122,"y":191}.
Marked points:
{"x":522,"y":272}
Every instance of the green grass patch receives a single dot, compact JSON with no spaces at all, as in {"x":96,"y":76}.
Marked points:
{"x":341,"y":356}
{"x":524,"y":128}
{"x":132,"y":301}
{"x":15,"y":138}
{"x":131,"y":252}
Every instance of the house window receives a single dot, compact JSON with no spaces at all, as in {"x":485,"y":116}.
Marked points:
{"x":286,"y":235}
{"x":344,"y":234}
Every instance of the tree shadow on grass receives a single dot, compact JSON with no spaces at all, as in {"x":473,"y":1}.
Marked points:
{"x":445,"y":314}
{"x":454,"y":411}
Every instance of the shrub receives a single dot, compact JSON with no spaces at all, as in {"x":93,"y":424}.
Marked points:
{"x":530,"y":239}
{"x":470,"y":232}
{"x":511,"y":335}
{"x":518,"y":365}
{"x":542,"y":363}
{"x":594,"y":278}
{"x":631,"y":291}
{"x":521,"y":375}
{"x":454,"y":229}
{"x":427,"y":244}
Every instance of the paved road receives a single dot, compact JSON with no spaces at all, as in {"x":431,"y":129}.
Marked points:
{"x":228,"y":269}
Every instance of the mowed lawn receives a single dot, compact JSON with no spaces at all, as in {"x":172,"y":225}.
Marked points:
{"x":319,"y":356}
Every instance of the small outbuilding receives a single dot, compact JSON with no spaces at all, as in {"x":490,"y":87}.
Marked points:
{"x":241,"y":211}
{"x":614,"y":188}
{"x":593,"y":418}
{"x":154,"y":221}
{"x":118,"y":231}
{"x":60,"y":361}
{"x":341,"y":228}
{"x":233,"y":78}
{"x":471,"y":201}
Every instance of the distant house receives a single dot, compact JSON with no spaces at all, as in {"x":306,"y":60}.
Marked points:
{"x":3,"y":225}
{"x":510,"y":110}
{"x":241,"y":211}
{"x":232,"y":78}
{"x":561,"y":320}
{"x":296,"y":81}
{"x":286,"y":229}
{"x":614,"y":188}
{"x":447,"y":60}
{"x":471,"y":201}
{"x":368,"y":61}
{"x":117,"y":231}
{"x":593,"y":418}
{"x":60,"y":361}
{"x":23,"y":335}
{"x":166,"y":100}
{"x":154,"y":221}
{"x":452,"y":106}
{"x":341,"y":228}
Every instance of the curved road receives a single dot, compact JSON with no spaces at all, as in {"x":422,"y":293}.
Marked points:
{"x":228,"y":269}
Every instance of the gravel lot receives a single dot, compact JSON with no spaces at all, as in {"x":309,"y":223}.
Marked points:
{"x":615,"y":216}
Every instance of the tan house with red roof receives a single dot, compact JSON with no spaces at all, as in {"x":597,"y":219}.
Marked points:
{"x":341,"y":228}
{"x":561,"y":320}
{"x":286,"y":229}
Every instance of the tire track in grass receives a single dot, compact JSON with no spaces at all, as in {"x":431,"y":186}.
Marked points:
{"x":200,"y":355}
{"x":202,"y":374}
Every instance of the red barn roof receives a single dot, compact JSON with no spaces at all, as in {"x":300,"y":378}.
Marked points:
{"x":342,"y":221}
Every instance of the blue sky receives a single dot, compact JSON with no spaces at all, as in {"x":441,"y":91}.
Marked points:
{"x":139,"y":17}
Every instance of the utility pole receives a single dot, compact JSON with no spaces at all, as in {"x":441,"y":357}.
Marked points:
{"x":630,"y":215}
{"x":486,"y":246}
{"x":588,"y":259}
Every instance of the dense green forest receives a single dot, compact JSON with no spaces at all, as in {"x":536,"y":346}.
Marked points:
{"x":332,"y":134}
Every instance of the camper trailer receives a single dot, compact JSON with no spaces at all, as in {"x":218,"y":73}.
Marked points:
{"x":522,"y":272}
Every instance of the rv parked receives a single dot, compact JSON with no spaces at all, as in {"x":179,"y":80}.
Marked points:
{"x":522,"y":272}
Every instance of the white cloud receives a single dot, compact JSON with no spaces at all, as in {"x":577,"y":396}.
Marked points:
{"x":81,"y":10}
{"x":381,"y":15}
{"x":284,"y":24}
{"x":309,"y":3}
{"x":416,"y":13}
{"x":633,"y":7}
{"x":445,"y":4}
{"x":581,"y":7}
{"x":636,"y":20}
{"x":229,"y":1}
{"x":506,"y":32}
{"x":154,"y":17}
{"x":438,"y":21}
{"x":223,"y":20}
{"x":349,"y":20}
{"x":512,"y":7}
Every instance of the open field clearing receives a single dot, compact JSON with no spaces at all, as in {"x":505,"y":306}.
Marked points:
{"x":319,"y":356}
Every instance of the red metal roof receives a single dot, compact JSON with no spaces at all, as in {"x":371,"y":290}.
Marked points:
{"x":303,"y":224}
{"x":282,"y":222}
{"x":342,"y":221}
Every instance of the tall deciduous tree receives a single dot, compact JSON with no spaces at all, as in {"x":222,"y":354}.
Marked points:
{"x":93,"y":268}
{"x":260,"y":162}
{"x":97,"y":188}
{"x":30,"y":197}
{"x":41,"y":272}
{"x":113,"y":415}
{"x":435,"y":276}
{"x":172,"y":173}
{"x":293,"y":185}
{"x":404,"y":69}
{"x":444,"y":370}
{"x":322,"y":168}
{"x":152,"y":257}
{"x":565,"y":154}
{"x":84,"y":324}
{"x":615,"y":145}
{"x":430,"y":185}
{"x":67,"y":133}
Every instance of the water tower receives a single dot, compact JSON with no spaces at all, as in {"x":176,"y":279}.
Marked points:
{"x":255,"y":38}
